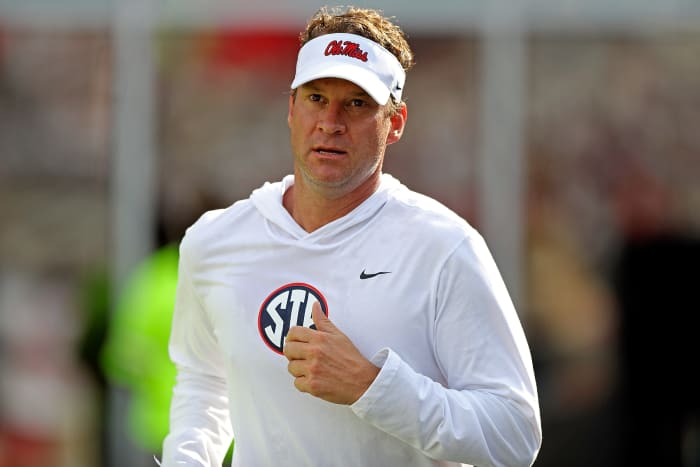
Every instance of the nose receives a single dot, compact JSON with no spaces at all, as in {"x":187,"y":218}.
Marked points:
{"x":331,"y":120}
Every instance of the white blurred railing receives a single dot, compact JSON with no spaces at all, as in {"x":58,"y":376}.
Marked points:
{"x":445,"y":15}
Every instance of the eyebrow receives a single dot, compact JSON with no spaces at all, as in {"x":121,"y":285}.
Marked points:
{"x":312,"y":87}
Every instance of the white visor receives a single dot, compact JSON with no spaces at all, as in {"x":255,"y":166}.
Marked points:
{"x":354,"y":58}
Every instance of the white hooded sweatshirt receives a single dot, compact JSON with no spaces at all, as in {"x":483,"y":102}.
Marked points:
{"x":407,"y":280}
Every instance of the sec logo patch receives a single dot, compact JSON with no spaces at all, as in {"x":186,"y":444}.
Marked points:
{"x":288,"y":306}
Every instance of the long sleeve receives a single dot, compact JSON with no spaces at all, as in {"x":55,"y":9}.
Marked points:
{"x":200,"y":430}
{"x":487,"y":413}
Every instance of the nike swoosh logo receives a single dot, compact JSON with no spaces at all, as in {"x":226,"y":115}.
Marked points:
{"x":364,"y":275}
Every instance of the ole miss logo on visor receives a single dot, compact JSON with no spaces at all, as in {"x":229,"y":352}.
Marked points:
{"x":347,"y":48}
{"x":288,"y":306}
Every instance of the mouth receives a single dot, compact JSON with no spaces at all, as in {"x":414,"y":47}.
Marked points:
{"x":328,"y":151}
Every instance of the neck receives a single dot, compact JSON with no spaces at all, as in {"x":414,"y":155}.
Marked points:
{"x":312,"y":208}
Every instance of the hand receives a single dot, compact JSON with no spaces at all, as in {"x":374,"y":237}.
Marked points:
{"x":325,"y":363}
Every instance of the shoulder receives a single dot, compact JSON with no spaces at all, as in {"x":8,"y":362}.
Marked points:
{"x":427,"y":229}
{"x":428,"y":216}
{"x":212,"y":228}
{"x":433,"y":234}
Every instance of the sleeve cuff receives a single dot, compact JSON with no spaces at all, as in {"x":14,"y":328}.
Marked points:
{"x":388,"y":362}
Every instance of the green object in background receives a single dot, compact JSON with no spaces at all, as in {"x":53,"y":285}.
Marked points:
{"x":135,"y":353}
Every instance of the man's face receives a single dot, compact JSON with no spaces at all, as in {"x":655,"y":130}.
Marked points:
{"x":339,"y":135}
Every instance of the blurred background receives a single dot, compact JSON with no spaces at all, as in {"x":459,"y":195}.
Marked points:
{"x":567,"y":132}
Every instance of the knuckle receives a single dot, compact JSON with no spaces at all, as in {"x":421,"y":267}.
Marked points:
{"x":314,"y":386}
{"x":315,"y":353}
{"x":315,"y":367}
{"x":298,"y":384}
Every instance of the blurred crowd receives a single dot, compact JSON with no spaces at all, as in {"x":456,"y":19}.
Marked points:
{"x":613,"y":222}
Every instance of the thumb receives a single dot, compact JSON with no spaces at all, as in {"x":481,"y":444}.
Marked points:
{"x":321,"y":321}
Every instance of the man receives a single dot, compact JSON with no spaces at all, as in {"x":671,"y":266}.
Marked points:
{"x":336,"y":318}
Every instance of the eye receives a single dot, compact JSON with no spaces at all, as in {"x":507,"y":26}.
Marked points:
{"x":358,"y":103}
{"x":315,"y":97}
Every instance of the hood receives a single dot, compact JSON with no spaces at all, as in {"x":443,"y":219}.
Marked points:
{"x":268,"y":201}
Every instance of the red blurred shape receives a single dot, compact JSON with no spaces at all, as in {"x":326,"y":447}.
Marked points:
{"x":259,"y":48}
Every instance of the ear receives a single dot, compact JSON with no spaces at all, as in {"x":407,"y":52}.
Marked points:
{"x":290,"y":111}
{"x":398,"y":122}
